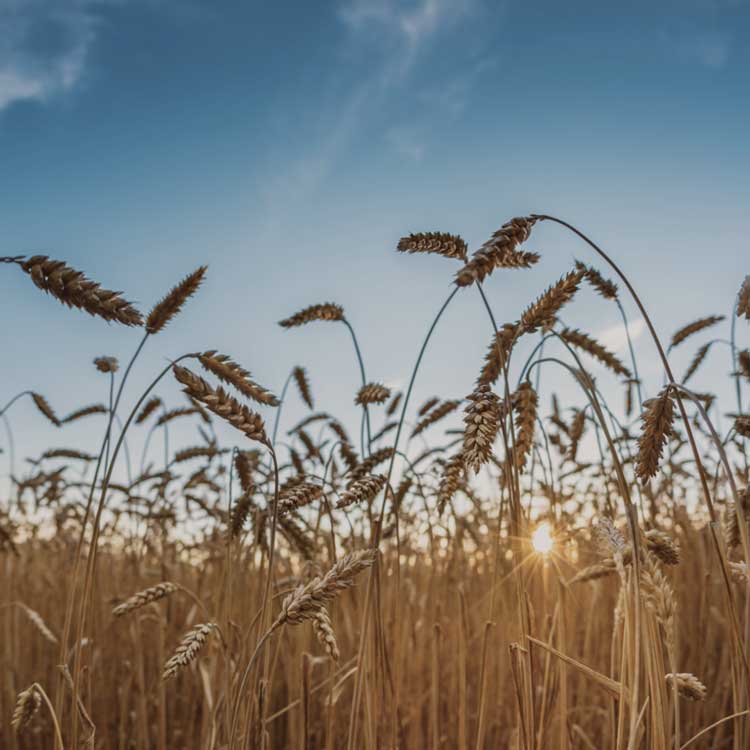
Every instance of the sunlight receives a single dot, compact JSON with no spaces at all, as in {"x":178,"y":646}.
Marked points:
{"x":542,"y":539}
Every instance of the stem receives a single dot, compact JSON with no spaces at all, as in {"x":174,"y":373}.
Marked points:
{"x":264,"y":607}
{"x":278,"y":409}
{"x":364,"y":382}
{"x":378,"y":527}
{"x":632,"y":353}
{"x":79,"y":548}
{"x":88,"y":579}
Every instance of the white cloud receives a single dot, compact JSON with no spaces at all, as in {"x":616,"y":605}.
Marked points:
{"x":615,"y":338}
{"x":43,"y":47}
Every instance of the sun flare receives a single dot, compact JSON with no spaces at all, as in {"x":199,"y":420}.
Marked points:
{"x":542,"y":539}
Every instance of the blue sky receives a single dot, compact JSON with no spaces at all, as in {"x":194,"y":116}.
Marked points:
{"x":289,"y":145}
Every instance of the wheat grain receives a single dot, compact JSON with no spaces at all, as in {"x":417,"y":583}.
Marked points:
{"x":28,"y":704}
{"x":43,"y":405}
{"x":657,"y":427}
{"x":222,"y":404}
{"x":171,"y":304}
{"x":693,"y":328}
{"x":73,"y":289}
{"x":439,"y":243}
{"x":743,"y":299}
{"x":305,"y":600}
{"x":586,"y":343}
{"x":106,"y":364}
{"x":372,"y":393}
{"x":303,"y":385}
{"x":524,"y":402}
{"x":500,"y":251}
{"x":481,"y":423}
{"x":362,"y":490}
{"x":142,"y":598}
{"x":688,"y":686}
{"x":326,"y":311}
{"x":188,"y":649}
{"x":230,"y":372}
{"x":323,"y":629}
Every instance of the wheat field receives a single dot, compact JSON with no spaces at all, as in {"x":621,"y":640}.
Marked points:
{"x":502,"y":570}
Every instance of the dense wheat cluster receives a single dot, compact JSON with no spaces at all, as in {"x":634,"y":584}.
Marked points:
{"x":499,"y":570}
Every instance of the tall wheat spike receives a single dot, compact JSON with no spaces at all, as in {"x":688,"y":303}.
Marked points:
{"x":439,"y":243}
{"x":743,"y":299}
{"x":233,"y":374}
{"x":303,"y":385}
{"x":525,"y":405}
{"x":657,"y":427}
{"x":305,"y":600}
{"x":500,"y":251}
{"x":27,"y":705}
{"x":481,"y":423}
{"x":325,"y":311}
{"x":586,"y":343}
{"x":73,"y":289}
{"x":188,"y":649}
{"x":43,"y":405}
{"x":144,"y":597}
{"x":695,"y":327}
{"x":171,"y":304}
{"x":222,"y":404}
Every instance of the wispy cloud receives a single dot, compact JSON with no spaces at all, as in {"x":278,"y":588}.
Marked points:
{"x":412,"y":22}
{"x":43,"y":47}
{"x":393,"y":36}
{"x":401,"y":29}
{"x":711,"y":49}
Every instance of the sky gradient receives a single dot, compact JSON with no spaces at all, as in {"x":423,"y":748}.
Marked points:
{"x":289,"y":145}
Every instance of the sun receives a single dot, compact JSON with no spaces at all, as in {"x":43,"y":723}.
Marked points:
{"x":542,"y":539}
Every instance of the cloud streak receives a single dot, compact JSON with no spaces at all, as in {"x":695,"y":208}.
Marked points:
{"x":43,"y":47}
